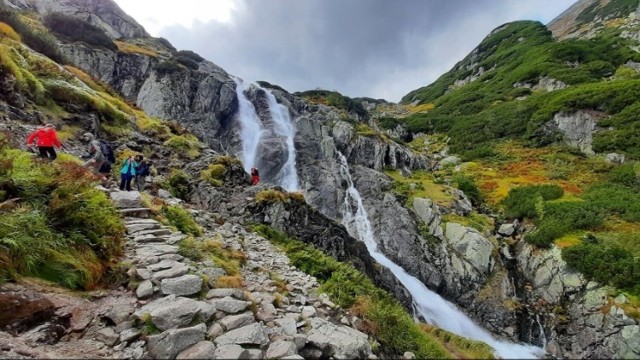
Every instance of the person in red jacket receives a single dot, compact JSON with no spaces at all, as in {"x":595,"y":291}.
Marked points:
{"x":255,"y":176}
{"x":47,"y":138}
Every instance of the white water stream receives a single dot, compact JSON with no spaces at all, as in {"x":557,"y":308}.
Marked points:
{"x":250,"y":128}
{"x":287,"y":177}
{"x":427,"y":303}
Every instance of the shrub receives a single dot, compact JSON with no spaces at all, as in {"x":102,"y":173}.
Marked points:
{"x":562,"y":217}
{"x":615,"y":199}
{"x":185,"y":144}
{"x":186,"y":61}
{"x":524,"y":201}
{"x":182,"y":220}
{"x":190,"y":55}
{"x":7,"y":30}
{"x":210,"y":249}
{"x":178,"y":184}
{"x":469,"y":187}
{"x":625,"y":175}
{"x":388,"y":123}
{"x":74,"y":29}
{"x":607,"y":264}
{"x":213,"y":174}
{"x":39,"y":41}
{"x":168,"y":67}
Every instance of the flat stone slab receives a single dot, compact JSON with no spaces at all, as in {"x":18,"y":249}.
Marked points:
{"x":222,"y":293}
{"x":230,"y":305}
{"x":171,"y":343}
{"x":126,"y":199}
{"x":183,"y":285}
{"x":254,"y":334}
{"x":170,"y":312}
{"x":236,"y":321}
{"x":136,"y":228}
{"x":146,"y":250}
{"x":230,"y":352}
{"x":202,"y":350}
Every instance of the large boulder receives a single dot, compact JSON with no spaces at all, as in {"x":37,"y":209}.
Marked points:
{"x":341,"y":342}
{"x":172,"y":342}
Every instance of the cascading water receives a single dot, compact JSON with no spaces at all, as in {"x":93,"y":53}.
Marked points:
{"x":287,"y":177}
{"x":250,"y":127}
{"x":543,"y":337}
{"x":428,"y":304}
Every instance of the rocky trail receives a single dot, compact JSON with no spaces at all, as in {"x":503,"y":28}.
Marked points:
{"x":173,"y":308}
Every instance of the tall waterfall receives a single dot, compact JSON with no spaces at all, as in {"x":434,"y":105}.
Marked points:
{"x":250,"y":127}
{"x":287,"y":177}
{"x":430,"y":305}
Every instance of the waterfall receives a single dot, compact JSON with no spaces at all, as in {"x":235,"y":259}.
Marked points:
{"x":543,"y":337}
{"x":287,"y":176}
{"x":427,"y":303}
{"x":250,"y":127}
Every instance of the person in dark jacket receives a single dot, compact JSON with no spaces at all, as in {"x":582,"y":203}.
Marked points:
{"x":127,"y":173}
{"x":142,"y":171}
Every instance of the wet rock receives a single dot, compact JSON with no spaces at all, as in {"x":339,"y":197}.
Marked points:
{"x":20,"y":311}
{"x":172,"y":342}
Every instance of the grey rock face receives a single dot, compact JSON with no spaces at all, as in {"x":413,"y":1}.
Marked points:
{"x":126,"y":199}
{"x":577,"y":129}
{"x":201,"y":350}
{"x":183,"y":285}
{"x":253,"y":334}
{"x":338,"y":341}
{"x":170,"y":312}
{"x":474,"y":247}
{"x":172,"y":342}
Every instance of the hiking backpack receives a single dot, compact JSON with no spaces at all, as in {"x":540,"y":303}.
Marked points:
{"x":107,"y":151}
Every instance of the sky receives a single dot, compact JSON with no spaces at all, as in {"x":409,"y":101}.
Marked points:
{"x":373,"y":48}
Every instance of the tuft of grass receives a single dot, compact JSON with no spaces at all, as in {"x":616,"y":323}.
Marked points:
{"x":213,"y":174}
{"x":275,"y":196}
{"x":7,"y":31}
{"x":182,"y":220}
{"x":129,"y":48}
{"x":229,"y":260}
{"x":178,"y":184}
{"x":187,"y":144}
{"x":224,"y":282}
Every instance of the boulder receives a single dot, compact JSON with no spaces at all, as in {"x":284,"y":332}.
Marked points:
{"x":170,"y":312}
{"x":254,"y":334}
{"x":469,"y":243}
{"x":236,"y":321}
{"x":172,"y":342}
{"x":127,"y":199}
{"x":338,"y":341}
{"x":280,"y":349}
{"x":201,"y":350}
{"x":230,"y":305}
{"x":184,"y":285}
{"x":230,"y":352}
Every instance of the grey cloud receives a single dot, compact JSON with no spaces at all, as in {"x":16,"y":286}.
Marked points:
{"x":375,"y":48}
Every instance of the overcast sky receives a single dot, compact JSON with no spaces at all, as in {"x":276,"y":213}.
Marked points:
{"x":374,"y":48}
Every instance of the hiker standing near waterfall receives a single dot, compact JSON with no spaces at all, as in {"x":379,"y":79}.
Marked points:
{"x":255,"y":176}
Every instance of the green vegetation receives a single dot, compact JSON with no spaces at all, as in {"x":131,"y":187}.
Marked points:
{"x":168,"y":67}
{"x":53,"y":223}
{"x":178,"y":184}
{"x":525,"y":201}
{"x":386,"y":319}
{"x":334,"y":98}
{"x":275,"y":196}
{"x":73,"y":29}
{"x":182,"y":220}
{"x":618,"y":8}
{"x":605,"y":263}
{"x":211,"y":249}
{"x":482,"y":112}
{"x":36,"y":39}
{"x":213,"y":174}
{"x":188,"y":58}
{"x":187,"y":144}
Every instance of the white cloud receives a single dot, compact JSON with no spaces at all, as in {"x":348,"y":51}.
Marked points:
{"x":155,"y":15}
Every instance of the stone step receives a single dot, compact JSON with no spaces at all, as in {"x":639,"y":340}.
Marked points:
{"x":137,"y":228}
{"x":138,"y":212}
{"x":158,"y":231}
{"x":136,"y":221}
{"x":149,"y":239}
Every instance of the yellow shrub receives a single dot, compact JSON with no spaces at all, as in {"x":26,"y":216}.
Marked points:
{"x":7,"y":30}
{"x":134,"y":49}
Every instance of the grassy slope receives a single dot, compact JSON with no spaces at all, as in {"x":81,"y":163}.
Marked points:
{"x":497,"y":127}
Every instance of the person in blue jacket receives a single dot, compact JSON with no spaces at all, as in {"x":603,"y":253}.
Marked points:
{"x":127,"y":173}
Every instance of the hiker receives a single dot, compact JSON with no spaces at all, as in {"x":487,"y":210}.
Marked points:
{"x":127,"y":173}
{"x":47,"y":139}
{"x":142,"y":171}
{"x":255,"y":176}
{"x":97,"y":155}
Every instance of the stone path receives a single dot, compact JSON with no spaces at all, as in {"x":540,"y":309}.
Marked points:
{"x":276,"y":314}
